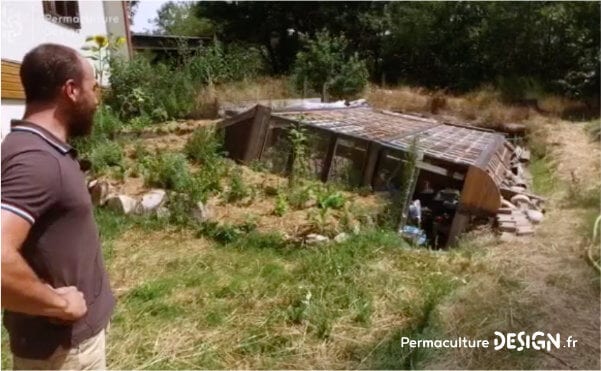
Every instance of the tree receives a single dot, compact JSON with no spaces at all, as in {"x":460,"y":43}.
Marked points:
{"x":179,"y":18}
{"x":132,"y":7}
{"x":279,"y":26}
{"x":326,"y":67}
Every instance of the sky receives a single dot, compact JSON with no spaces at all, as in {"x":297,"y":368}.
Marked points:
{"x":147,"y":10}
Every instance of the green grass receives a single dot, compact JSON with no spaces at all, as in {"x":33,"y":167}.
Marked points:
{"x":259,"y":302}
{"x":544,"y":181}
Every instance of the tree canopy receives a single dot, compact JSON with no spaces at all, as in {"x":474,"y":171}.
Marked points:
{"x":453,"y":45}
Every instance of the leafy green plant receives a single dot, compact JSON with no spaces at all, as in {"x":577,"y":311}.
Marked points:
{"x":326,"y":67}
{"x":408,"y":177}
{"x":281,"y":205}
{"x":170,"y":88}
{"x":222,"y":233}
{"x":100,"y":48}
{"x":167,"y":170}
{"x":237,"y":190}
{"x":330,"y":200}
{"x":204,"y":147}
{"x":298,"y":197}
{"x":297,"y":136}
{"x":104,"y":154}
{"x":100,"y":147}
{"x":180,"y":206}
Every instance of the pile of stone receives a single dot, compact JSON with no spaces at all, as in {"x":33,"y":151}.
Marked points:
{"x":519,"y":215}
{"x":152,"y":202}
{"x":518,"y":177}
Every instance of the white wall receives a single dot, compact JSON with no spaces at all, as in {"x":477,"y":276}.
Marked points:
{"x":24,"y":26}
{"x":11,"y":109}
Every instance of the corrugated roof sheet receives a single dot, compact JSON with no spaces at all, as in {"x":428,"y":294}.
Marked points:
{"x":450,"y":143}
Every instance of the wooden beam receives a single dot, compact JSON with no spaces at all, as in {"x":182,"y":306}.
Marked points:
{"x":11,"y":81}
{"x":327,"y":162}
{"x":257,"y":134}
{"x":460,"y":221}
{"x":439,"y":170}
{"x":370,"y":165}
{"x":238,"y":118}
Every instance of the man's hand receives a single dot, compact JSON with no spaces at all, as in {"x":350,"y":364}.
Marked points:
{"x":75,"y":307}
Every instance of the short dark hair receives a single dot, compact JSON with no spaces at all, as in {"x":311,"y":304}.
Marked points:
{"x":46,"y":68}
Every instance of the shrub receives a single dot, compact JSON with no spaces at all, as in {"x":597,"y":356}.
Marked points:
{"x":299,"y":196}
{"x":167,"y":170}
{"x":169,"y":89}
{"x":281,"y":205}
{"x":180,"y":208}
{"x":106,"y":123}
{"x":222,"y":233}
{"x":298,"y":139}
{"x":238,"y":190}
{"x":104,"y":154}
{"x":328,"y":199}
{"x":204,"y":147}
{"x":326,"y":67}
{"x":106,"y":126}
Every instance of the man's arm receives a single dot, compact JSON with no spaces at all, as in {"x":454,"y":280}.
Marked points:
{"x":22,"y":290}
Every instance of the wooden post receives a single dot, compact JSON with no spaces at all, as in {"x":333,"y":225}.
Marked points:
{"x":258,"y":132}
{"x":327,"y":162}
{"x":458,"y":225}
{"x":373,"y":152}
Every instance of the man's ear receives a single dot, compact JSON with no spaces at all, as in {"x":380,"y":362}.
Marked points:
{"x":71,"y":90}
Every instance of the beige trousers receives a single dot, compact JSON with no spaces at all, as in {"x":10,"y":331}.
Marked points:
{"x":89,"y":355}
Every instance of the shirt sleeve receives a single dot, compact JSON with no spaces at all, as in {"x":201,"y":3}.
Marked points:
{"x":31,"y":184}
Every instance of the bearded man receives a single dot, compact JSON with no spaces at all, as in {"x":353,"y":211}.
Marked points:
{"x":56,"y":295}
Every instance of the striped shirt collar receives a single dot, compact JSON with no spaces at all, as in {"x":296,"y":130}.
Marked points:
{"x":59,"y":145}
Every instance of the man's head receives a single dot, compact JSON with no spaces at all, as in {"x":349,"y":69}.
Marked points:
{"x":58,"y":76}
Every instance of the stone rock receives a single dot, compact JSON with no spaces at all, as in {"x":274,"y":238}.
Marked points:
{"x":521,"y":201}
{"x":341,"y":237}
{"x":122,"y":204}
{"x":507,"y":204}
{"x":314,"y":239}
{"x":518,"y":188}
{"x":202,"y":212}
{"x":99,"y":192}
{"x":535,"y":216}
{"x":152,"y":200}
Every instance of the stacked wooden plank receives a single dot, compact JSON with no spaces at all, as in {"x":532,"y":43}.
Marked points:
{"x":521,"y":210}
{"x":514,"y":221}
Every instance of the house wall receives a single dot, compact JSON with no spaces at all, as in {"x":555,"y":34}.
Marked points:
{"x":24,"y":26}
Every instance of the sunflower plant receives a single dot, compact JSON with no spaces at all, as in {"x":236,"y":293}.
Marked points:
{"x":100,"y":48}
